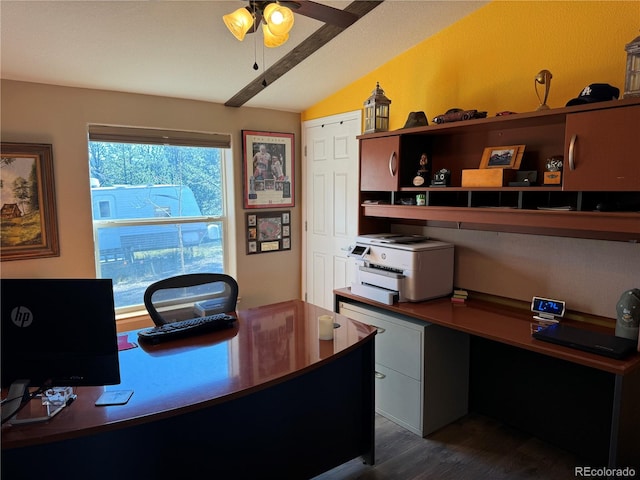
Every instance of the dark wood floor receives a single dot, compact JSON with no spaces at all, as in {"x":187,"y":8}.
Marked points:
{"x":472,"y":448}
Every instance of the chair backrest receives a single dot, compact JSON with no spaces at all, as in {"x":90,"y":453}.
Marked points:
{"x":190,"y":295}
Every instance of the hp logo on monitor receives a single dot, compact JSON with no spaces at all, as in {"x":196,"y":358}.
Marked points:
{"x":21,"y":316}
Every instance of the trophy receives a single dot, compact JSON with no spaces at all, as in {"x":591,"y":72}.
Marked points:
{"x":543,"y":78}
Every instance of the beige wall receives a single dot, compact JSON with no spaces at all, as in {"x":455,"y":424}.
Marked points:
{"x":590,"y":275}
{"x":34,"y":113}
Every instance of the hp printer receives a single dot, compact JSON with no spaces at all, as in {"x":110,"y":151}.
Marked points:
{"x":404,"y":268}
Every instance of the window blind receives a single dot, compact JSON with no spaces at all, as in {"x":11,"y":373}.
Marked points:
{"x":152,"y":136}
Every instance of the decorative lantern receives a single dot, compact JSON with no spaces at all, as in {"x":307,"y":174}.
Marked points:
{"x":376,"y":111}
{"x":632,"y":79}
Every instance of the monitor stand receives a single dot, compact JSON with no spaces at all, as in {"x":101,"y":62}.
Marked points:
{"x":547,"y":317}
{"x":39,"y":409}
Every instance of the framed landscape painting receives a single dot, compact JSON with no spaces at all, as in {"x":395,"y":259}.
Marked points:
{"x":28,"y":227}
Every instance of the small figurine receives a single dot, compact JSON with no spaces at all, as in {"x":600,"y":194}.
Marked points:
{"x":423,"y":171}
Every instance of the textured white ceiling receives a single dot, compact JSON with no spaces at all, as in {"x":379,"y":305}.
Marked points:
{"x":182,"y":49}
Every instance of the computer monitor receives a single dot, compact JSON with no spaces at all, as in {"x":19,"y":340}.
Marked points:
{"x":58,"y":332}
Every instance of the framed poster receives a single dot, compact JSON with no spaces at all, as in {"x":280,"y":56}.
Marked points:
{"x":28,"y":226}
{"x":268,"y":232}
{"x":268,"y":169}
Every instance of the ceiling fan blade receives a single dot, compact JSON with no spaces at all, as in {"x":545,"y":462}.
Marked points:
{"x":324,"y":13}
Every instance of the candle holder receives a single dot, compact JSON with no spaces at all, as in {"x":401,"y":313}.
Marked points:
{"x":325,"y":327}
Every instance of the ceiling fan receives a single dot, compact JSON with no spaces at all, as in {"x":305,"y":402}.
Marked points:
{"x":277,"y":18}
{"x":336,"y":21}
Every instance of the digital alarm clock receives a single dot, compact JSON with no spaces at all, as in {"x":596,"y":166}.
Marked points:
{"x":547,"y":309}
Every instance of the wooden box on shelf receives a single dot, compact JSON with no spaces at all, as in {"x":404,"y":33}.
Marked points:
{"x":487,"y":177}
{"x":552,"y":178}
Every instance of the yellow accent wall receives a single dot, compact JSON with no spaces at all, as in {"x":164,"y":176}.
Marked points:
{"x":489,"y":59}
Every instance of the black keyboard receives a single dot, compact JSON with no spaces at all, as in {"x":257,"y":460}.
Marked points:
{"x":187,"y":328}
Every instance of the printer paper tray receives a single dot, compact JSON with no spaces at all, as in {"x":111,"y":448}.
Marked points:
{"x":381,"y":295}
{"x":383,"y":279}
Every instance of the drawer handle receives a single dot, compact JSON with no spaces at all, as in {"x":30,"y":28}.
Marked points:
{"x":381,"y":330}
{"x":572,"y":152}
{"x":392,"y":167}
{"x":379,"y":375}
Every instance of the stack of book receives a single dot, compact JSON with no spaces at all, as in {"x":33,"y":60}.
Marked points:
{"x":459,"y":296}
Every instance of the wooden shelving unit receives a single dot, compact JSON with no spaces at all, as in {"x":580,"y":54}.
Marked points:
{"x":599,"y":197}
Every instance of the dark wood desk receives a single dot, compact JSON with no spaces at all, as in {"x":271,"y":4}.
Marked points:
{"x":586,"y":403}
{"x":265,"y":399}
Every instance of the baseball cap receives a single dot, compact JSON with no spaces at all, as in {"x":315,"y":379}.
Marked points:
{"x":596,"y":92}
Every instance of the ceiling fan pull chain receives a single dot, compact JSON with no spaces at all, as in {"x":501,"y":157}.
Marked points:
{"x":255,"y":46}
{"x":255,"y":54}
{"x":264,"y":69}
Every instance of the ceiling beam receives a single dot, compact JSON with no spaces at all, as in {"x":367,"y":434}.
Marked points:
{"x":314,"y":42}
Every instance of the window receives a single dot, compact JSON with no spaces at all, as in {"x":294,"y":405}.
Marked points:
{"x":159,"y":206}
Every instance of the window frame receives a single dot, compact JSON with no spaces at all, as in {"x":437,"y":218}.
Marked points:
{"x":226,"y":219}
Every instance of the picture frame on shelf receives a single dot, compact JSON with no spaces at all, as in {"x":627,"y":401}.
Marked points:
{"x":29,"y":223}
{"x":268,"y":169}
{"x":507,"y":157}
{"x":268,"y":232}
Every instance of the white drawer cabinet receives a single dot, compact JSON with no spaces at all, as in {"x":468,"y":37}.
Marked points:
{"x":398,"y":344}
{"x":399,"y":398}
{"x":422,"y":369}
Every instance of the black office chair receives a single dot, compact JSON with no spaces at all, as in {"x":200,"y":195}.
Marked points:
{"x":190,"y":295}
